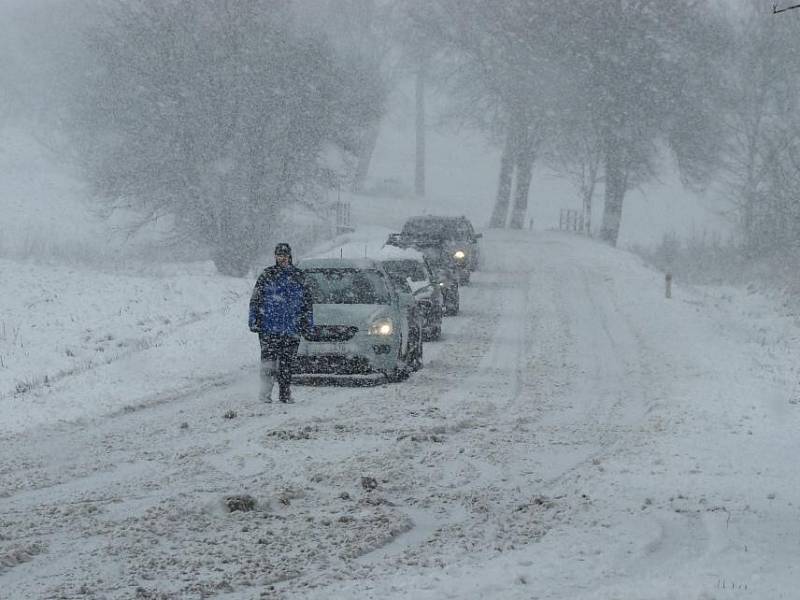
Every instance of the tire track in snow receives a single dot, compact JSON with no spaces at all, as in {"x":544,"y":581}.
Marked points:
{"x":502,"y":391}
{"x":494,"y":395}
{"x":614,"y":387}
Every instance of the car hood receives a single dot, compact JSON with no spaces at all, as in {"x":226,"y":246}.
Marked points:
{"x":416,"y":286}
{"x":350,"y":314}
{"x":424,"y":292}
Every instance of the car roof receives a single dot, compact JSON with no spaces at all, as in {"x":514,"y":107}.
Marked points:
{"x":339,"y":263}
{"x":435,"y":219}
{"x":437,"y":223}
{"x":389,"y":252}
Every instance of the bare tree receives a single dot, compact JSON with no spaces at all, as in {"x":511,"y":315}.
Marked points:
{"x":361,"y":32}
{"x":577,"y":154}
{"x":419,"y":110}
{"x":776,"y":10}
{"x":413,"y":21}
{"x":644,"y":67}
{"x":762,"y":130}
{"x":503,"y":81}
{"x":630,"y":77}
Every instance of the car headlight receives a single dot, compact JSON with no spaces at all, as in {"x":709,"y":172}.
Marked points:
{"x":382,"y":327}
{"x":459,"y":255}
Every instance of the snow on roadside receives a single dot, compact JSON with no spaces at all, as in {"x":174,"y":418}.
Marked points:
{"x":103,"y":342}
{"x":690,"y":487}
{"x":663,"y":431}
{"x":100,"y":342}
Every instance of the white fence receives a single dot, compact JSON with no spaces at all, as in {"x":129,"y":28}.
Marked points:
{"x":338,"y":215}
{"x":571,"y":219}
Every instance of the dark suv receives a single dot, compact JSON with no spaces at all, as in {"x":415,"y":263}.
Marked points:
{"x":457,"y":237}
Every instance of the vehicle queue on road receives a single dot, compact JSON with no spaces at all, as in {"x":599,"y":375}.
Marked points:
{"x":372,"y":315}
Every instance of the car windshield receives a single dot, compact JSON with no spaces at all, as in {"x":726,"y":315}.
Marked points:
{"x":347,"y":286}
{"x":443,"y":228}
{"x":435,"y":255}
{"x":411,"y":269}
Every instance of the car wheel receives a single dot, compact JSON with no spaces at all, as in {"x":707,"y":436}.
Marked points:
{"x":400,"y":372}
{"x":433,"y":334}
{"x":450,"y":303}
{"x":416,"y":360}
{"x":397,"y":375}
{"x":453,"y":306}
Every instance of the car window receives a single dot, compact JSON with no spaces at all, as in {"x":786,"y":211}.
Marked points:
{"x":447,"y":228}
{"x":400,"y":283}
{"x":435,"y":255}
{"x":347,"y":286}
{"x":411,"y":269}
{"x":430,"y":227}
{"x":422,"y":227}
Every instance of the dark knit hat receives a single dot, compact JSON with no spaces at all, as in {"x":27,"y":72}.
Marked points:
{"x":283,"y":249}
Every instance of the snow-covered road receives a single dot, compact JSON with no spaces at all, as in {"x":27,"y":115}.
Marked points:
{"x":574,"y":435}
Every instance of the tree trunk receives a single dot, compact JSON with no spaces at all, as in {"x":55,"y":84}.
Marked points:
{"x":587,"y":210}
{"x":615,"y":194}
{"x":366,"y":148}
{"x":525,"y":160}
{"x":500,"y":211}
{"x":419,"y":170}
{"x":750,"y":226}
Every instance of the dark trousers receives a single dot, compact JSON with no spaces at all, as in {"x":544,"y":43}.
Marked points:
{"x":282,"y":349}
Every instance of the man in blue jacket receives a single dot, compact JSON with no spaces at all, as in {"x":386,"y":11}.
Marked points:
{"x":281,"y":311}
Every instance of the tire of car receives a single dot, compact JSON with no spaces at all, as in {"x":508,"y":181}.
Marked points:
{"x":416,"y":360}
{"x":463,"y":274}
{"x":452,"y":306}
{"x":401,"y":370}
{"x":397,"y":375}
{"x":434,"y":333}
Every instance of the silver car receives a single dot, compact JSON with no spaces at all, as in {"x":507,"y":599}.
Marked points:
{"x":409,"y":271}
{"x":363,"y":325}
{"x":442,"y":269}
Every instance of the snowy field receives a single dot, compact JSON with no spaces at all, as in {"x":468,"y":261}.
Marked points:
{"x":574,"y":435}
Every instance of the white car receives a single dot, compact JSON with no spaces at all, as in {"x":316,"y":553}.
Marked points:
{"x":362,"y":323}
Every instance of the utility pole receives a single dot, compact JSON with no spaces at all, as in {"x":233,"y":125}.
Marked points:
{"x":419,"y":168}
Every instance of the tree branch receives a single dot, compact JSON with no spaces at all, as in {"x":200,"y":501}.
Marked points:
{"x":776,"y":10}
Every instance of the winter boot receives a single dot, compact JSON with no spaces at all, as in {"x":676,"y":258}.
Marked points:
{"x":285,"y":395}
{"x":267,"y":374}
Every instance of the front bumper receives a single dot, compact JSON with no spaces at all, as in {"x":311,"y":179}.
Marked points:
{"x":360,"y":355}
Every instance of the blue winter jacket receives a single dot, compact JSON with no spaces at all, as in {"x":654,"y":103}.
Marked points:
{"x":281,"y":303}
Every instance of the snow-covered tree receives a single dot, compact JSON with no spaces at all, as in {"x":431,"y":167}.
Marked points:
{"x":216,"y":113}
